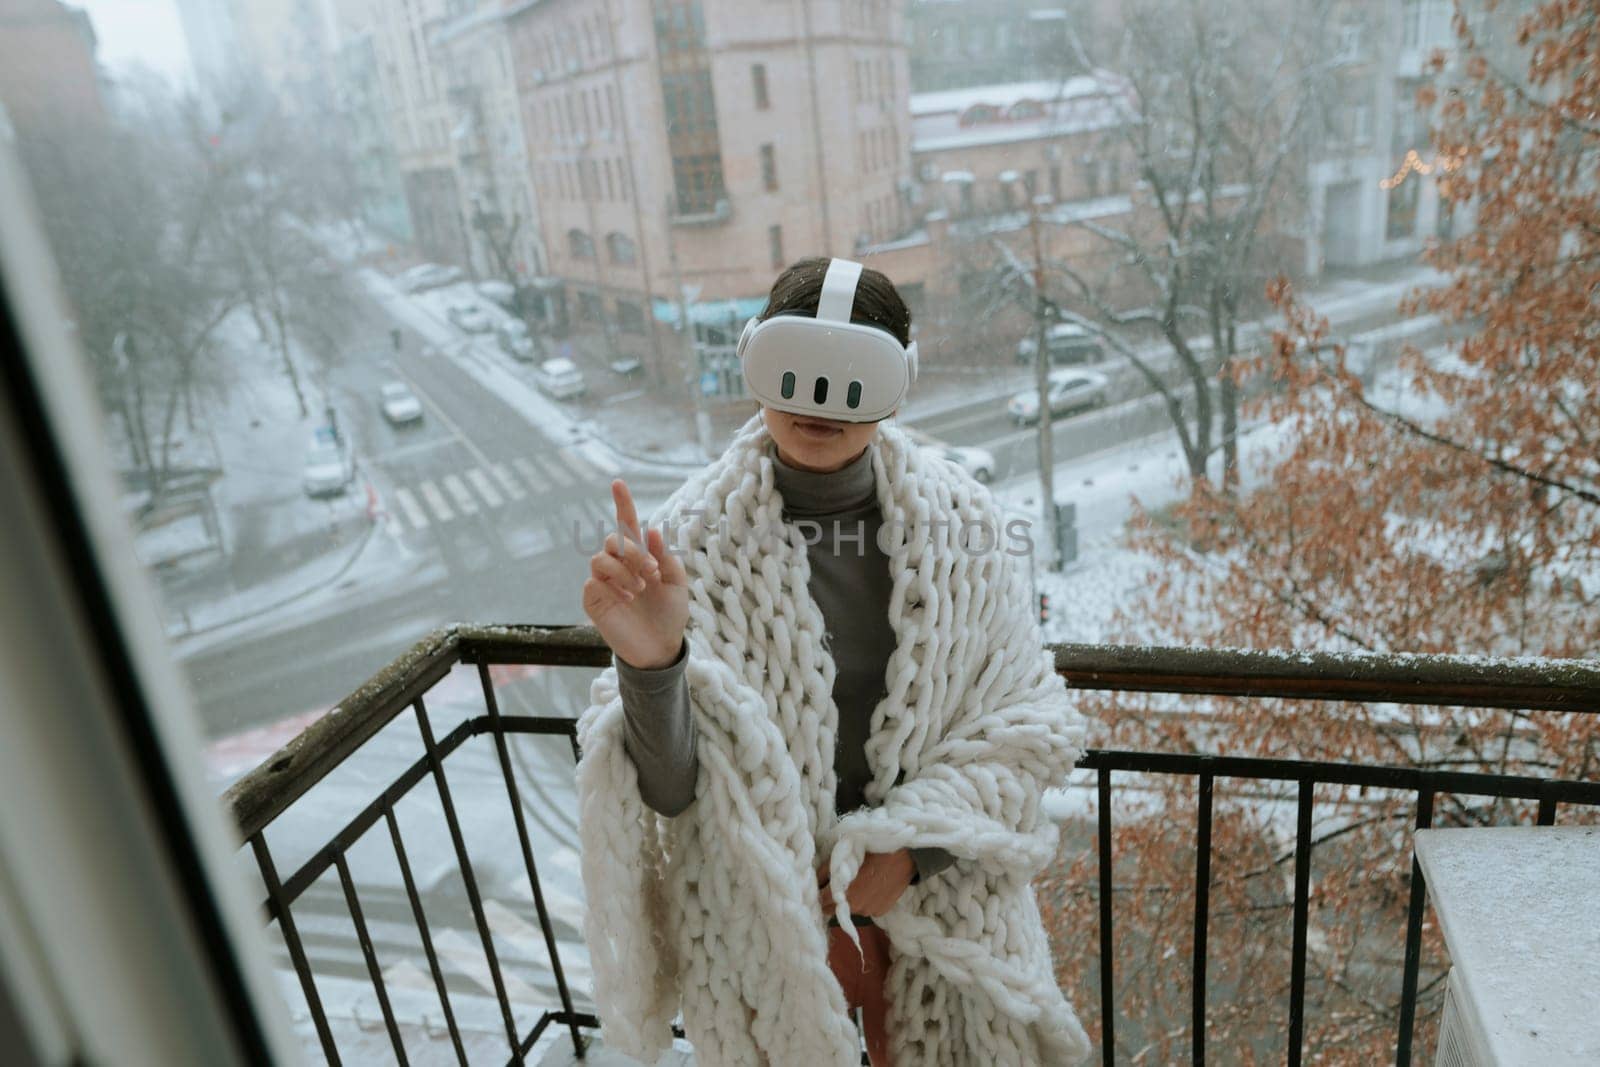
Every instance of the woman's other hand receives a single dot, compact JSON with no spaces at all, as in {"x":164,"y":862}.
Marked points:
{"x":637,"y":594}
{"x":878,"y":884}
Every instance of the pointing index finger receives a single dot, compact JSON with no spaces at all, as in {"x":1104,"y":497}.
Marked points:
{"x":627,"y":515}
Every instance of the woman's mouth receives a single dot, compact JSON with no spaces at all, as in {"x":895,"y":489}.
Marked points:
{"x":816,"y":429}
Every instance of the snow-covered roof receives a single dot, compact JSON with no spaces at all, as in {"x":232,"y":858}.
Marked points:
{"x":1004,"y":94}
{"x":1075,"y":105}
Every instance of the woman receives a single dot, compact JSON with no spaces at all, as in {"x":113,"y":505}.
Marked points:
{"x":815,"y":669}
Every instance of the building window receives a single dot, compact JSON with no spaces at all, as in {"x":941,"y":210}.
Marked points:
{"x":620,"y":248}
{"x":758,"y":80}
{"x":1402,"y":220}
{"x":580,"y":245}
{"x":698,"y":179}
{"x":630,"y":319}
{"x":775,"y":244}
{"x":589,"y":307}
{"x":769,"y":168}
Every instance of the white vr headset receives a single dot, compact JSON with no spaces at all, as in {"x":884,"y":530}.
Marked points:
{"x":827,"y":366}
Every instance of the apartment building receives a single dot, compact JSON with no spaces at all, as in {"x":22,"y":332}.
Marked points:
{"x":684,"y":151}
{"x":493,"y":169}
{"x":1373,"y":180}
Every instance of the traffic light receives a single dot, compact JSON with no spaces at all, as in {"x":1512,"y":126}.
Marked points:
{"x":1044,"y":607}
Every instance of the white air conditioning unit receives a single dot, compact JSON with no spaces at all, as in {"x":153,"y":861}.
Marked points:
{"x":1460,"y":1038}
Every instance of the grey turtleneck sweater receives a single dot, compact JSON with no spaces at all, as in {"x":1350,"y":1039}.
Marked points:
{"x":851,"y":583}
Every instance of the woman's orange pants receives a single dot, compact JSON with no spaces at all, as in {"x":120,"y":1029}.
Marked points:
{"x":861,"y":977}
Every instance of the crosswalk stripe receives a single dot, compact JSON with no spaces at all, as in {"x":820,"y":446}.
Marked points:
{"x":467,"y":955}
{"x":561,"y":475}
{"x":480,"y":481}
{"x":582,"y":467}
{"x":511,"y":485}
{"x":459,"y":493}
{"x":436,"y":502}
{"x":530,"y":473}
{"x":414,"y":513}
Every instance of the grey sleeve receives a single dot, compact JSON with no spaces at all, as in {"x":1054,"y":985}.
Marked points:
{"x":658,"y":732}
{"x":930,"y":861}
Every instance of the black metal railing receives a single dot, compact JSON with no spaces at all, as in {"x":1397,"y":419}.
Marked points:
{"x":260,"y":797}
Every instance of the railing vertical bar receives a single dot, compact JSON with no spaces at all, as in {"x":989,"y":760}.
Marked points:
{"x":493,"y":707}
{"x":1302,"y":902}
{"x":291,"y":940}
{"x":468,"y":879}
{"x":422,"y":930}
{"x":1202,"y":914}
{"x":1547,"y":811}
{"x":370,"y":954}
{"x":1108,"y":1006}
{"x":1408,"y":988}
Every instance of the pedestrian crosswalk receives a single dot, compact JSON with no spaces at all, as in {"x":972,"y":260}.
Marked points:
{"x":483,"y":489}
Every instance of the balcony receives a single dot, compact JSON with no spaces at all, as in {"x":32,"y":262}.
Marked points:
{"x":390,"y":744}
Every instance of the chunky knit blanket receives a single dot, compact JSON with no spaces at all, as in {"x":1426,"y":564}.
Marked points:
{"x":716,"y":912}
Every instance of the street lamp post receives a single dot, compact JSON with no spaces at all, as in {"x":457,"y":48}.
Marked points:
{"x":1041,"y":366}
{"x":686,"y":295}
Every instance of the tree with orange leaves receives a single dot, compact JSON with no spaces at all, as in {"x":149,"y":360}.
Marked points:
{"x":1455,"y":510}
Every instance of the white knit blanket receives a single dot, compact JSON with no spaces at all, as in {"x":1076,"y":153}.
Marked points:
{"x":716,"y":912}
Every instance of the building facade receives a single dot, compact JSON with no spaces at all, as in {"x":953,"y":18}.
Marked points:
{"x":493,"y":169}
{"x":685,"y":151}
{"x":1373,"y":178}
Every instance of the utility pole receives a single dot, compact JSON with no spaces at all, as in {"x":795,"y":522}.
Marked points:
{"x":1041,"y":366}
{"x":691,"y":362}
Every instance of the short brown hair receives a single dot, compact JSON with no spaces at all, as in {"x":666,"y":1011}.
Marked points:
{"x":878,"y":302}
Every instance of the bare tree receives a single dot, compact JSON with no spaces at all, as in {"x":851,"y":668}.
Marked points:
{"x":1215,"y":98}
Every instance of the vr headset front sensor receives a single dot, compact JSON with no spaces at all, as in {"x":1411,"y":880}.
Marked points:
{"x":827,"y":366}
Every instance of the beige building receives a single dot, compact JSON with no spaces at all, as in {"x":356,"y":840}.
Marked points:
{"x":695,"y":147}
{"x":493,"y":169}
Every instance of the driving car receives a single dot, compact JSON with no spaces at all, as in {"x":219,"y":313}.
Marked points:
{"x":1069,"y":391}
{"x":330,"y":464}
{"x":428,"y":276}
{"x":1067,"y":342}
{"x":400,"y":405}
{"x":978,"y":462}
{"x":514,"y":339}
{"x":470,"y":317}
{"x":625,"y":366}
{"x":560,"y":378}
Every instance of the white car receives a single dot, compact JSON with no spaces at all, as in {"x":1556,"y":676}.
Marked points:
{"x":330,"y":466}
{"x":977,"y":462}
{"x":515,"y":340}
{"x":428,"y":276}
{"x":560,"y":378}
{"x":470,"y":317}
{"x":400,"y":405}
{"x":1069,"y":391}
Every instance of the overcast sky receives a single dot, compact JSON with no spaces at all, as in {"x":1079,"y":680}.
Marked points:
{"x":134,"y":32}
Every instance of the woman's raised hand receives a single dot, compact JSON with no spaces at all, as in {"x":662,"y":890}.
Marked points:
{"x":637,"y":594}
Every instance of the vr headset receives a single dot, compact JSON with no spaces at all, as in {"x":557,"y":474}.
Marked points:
{"x":827,"y":366}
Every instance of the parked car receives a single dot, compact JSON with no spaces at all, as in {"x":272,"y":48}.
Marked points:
{"x":470,"y":317}
{"x":1069,"y":391}
{"x":330,"y":464}
{"x":1068,"y":343}
{"x":502,"y":293}
{"x":400,"y":405}
{"x":560,"y":378}
{"x":977,"y":462}
{"x":515,"y":340}
{"x":627,"y":366}
{"x":428,"y":276}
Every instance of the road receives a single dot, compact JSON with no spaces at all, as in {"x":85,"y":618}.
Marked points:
{"x":493,"y":510}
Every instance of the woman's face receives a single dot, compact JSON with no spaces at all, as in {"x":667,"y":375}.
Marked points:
{"x":814,"y":444}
